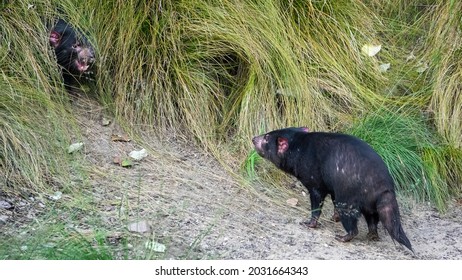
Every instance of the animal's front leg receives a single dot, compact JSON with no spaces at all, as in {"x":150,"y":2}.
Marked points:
{"x":317,"y":199}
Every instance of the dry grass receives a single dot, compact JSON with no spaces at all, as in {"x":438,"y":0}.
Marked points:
{"x":445,"y":54}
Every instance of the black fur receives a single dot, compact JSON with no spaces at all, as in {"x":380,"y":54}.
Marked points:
{"x":74,"y":53}
{"x":342,"y":166}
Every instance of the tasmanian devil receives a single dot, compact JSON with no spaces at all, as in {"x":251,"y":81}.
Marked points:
{"x":74,"y":53}
{"x":344,"y":167}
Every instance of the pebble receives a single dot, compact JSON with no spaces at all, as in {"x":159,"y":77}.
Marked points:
{"x":5,"y":204}
{"x":140,"y":227}
{"x":3,"y":219}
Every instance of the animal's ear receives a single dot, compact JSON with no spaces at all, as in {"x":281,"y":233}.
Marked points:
{"x":304,"y":129}
{"x":55,"y":39}
{"x":283,"y":145}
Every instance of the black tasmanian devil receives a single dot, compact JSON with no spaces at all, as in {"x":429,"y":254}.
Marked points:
{"x":344,"y":167}
{"x":74,"y":53}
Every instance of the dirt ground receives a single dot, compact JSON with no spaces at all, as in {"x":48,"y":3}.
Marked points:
{"x":194,"y":207}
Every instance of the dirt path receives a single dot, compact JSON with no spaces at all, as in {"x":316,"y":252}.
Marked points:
{"x":199,"y":211}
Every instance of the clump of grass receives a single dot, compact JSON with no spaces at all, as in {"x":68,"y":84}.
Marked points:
{"x":32,"y":141}
{"x":410,"y":151}
{"x":218,"y":71}
{"x":25,"y":54}
{"x":250,"y":164}
{"x":34,"y":125}
{"x":55,"y":242}
{"x":221,"y":70}
{"x":426,"y":35}
{"x":446,"y":161}
{"x":444,"y":46}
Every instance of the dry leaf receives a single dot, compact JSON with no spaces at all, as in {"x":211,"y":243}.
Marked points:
{"x":292,"y":202}
{"x":384,"y":67}
{"x":421,"y":67}
{"x":120,"y":138}
{"x":410,"y":57}
{"x":371,"y":50}
{"x":105,"y":121}
{"x":155,"y":246}
{"x":75,"y":147}
{"x":138,"y":155}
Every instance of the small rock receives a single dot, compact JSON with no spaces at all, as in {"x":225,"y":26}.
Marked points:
{"x":140,"y":227}
{"x":3,"y":219}
{"x":117,"y":160}
{"x":57,"y":195}
{"x":49,"y":245}
{"x":75,"y":147}
{"x":155,"y":246}
{"x":30,"y":215}
{"x":5,"y":205}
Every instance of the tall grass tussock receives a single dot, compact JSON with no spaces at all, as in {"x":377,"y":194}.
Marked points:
{"x":34,"y":125}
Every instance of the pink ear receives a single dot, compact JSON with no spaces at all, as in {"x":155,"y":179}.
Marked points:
{"x":55,"y":37}
{"x":283,"y":145}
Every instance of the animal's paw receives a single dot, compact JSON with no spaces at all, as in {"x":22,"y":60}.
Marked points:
{"x":347,"y":237}
{"x":311,"y":223}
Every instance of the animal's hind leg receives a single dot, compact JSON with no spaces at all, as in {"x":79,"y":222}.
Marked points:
{"x":349,"y":217}
{"x":335,"y":215}
{"x":372,"y":221}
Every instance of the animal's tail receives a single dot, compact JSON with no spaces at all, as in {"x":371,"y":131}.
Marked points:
{"x":387,"y":207}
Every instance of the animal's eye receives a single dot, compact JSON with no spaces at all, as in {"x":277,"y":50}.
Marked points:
{"x":76,"y":45}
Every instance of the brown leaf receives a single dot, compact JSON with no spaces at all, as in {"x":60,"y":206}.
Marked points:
{"x":120,"y":138}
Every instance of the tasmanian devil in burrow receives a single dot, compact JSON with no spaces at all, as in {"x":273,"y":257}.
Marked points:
{"x":74,"y":53}
{"x":344,"y":167}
